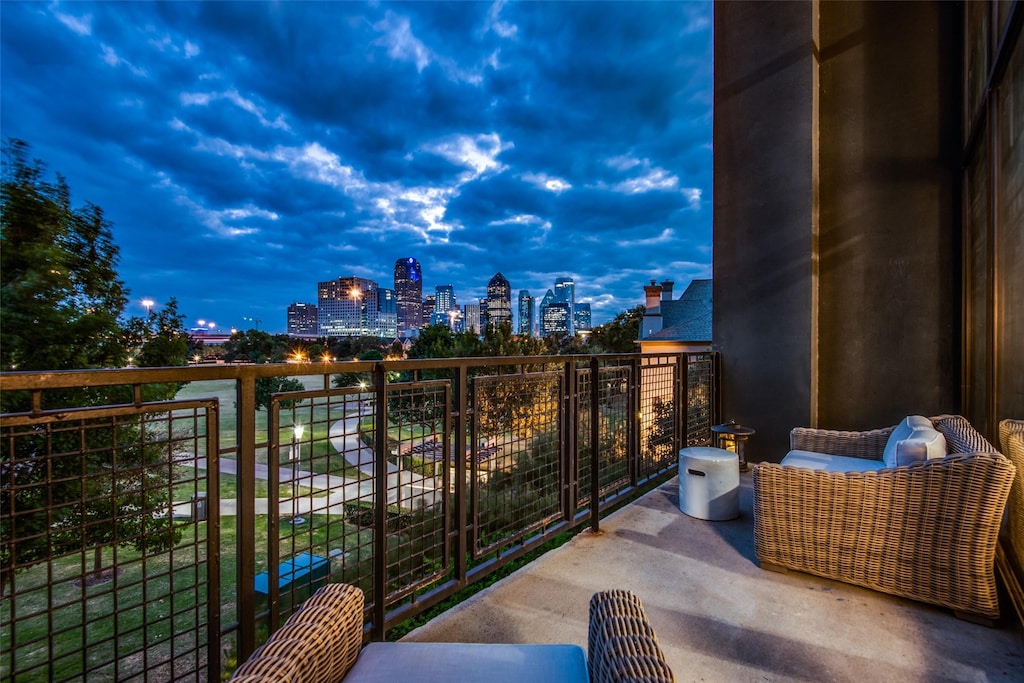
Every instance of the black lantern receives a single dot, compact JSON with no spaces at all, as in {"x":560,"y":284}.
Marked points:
{"x":731,"y":436}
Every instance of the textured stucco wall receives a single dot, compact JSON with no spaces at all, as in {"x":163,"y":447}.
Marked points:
{"x":889,"y":286}
{"x":835,"y":214}
{"x":763,"y":216}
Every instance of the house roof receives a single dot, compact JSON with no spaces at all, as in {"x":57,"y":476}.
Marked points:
{"x":687,"y":318}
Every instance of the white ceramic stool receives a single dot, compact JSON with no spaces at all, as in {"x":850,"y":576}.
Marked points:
{"x":709,"y":483}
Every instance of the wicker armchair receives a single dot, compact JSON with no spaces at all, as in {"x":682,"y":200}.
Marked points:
{"x":320,"y":643}
{"x":925,"y":531}
{"x":1012,"y":440}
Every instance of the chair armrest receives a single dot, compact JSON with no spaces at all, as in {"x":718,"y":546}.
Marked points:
{"x":621,"y":643}
{"x":927,"y":531}
{"x":868,"y":445}
{"x":1011,"y":438}
{"x":319,"y":643}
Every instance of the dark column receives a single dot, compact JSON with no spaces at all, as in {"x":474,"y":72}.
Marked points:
{"x":764,"y":216}
{"x":836,"y":214}
{"x":889,"y":275}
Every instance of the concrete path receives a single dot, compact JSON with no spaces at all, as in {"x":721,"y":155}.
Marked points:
{"x":405,"y":489}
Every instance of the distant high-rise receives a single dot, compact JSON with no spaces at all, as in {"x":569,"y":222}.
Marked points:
{"x":355,"y":306}
{"x":565,"y":290}
{"x":581,"y":317}
{"x":408,"y":295}
{"x":525,"y":312}
{"x":471,"y":318}
{"x":499,"y":300}
{"x":445,"y":309}
{"x":302,"y":321}
{"x":554,"y":318}
{"x":427,"y":309}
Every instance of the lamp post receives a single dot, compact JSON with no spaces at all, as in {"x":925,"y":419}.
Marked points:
{"x":293,"y":456}
{"x":148,"y":304}
{"x":357,"y":296}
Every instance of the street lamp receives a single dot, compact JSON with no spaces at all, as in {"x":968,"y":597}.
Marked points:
{"x":148,"y":303}
{"x":357,"y":296}
{"x":293,"y":456}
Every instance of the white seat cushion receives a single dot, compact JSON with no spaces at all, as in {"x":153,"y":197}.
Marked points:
{"x":469,"y":663}
{"x":830,"y":463}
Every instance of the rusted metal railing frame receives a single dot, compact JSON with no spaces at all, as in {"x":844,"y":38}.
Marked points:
{"x":463,"y":531}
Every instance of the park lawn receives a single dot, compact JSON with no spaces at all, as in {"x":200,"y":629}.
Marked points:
{"x":151,"y":600}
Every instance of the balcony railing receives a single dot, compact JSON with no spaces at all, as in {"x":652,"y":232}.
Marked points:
{"x":162,"y":540}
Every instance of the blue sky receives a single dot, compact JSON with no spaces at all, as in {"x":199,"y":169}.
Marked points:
{"x":246,"y":151}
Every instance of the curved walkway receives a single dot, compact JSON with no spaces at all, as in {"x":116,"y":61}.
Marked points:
{"x":405,"y":489}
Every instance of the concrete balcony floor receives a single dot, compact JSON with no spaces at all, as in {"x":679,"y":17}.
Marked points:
{"x":719,"y":617}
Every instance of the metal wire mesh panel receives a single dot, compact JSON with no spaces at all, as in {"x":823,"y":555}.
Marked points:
{"x":323,"y":490}
{"x":613,"y":429}
{"x":699,"y":399}
{"x":419,"y":480}
{"x":109,"y":565}
{"x":516,"y":456}
{"x":658,"y":437}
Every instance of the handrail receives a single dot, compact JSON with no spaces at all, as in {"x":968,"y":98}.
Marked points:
{"x":511,"y":467}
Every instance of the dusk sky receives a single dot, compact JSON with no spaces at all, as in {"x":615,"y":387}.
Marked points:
{"x":246,"y":151}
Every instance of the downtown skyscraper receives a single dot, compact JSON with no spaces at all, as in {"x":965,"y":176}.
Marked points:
{"x":302,"y":320}
{"x":355,"y":306}
{"x":526,"y":314}
{"x":408,"y":295}
{"x":499,"y":300}
{"x":565,"y":291}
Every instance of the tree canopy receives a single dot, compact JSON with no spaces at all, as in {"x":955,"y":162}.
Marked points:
{"x":62,"y":307}
{"x":61,"y":299}
{"x":620,"y":335}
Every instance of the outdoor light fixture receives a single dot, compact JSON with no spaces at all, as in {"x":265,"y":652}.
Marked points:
{"x":732,"y":437}
{"x":297,"y":431}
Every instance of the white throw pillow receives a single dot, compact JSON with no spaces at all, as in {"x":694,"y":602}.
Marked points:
{"x":913,"y":440}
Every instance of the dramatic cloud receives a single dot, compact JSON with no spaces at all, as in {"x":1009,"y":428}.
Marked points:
{"x":246,"y":151}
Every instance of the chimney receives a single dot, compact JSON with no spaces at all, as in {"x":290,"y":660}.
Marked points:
{"x":666,"y":290}
{"x":653,"y":292}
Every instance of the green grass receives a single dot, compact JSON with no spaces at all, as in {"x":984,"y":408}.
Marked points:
{"x":164,"y":593}
{"x":224,"y":391}
{"x":148,"y":602}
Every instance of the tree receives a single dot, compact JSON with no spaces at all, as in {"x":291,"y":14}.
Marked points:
{"x":358,"y":379}
{"x":61,"y":303}
{"x":61,"y":296}
{"x":255,"y":346}
{"x":265,"y":386}
{"x":620,"y":335}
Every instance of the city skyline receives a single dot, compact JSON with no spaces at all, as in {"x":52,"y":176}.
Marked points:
{"x":338,"y":301}
{"x":244,"y":152}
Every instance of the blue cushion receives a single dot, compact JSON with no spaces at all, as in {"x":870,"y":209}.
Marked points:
{"x":469,"y":662}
